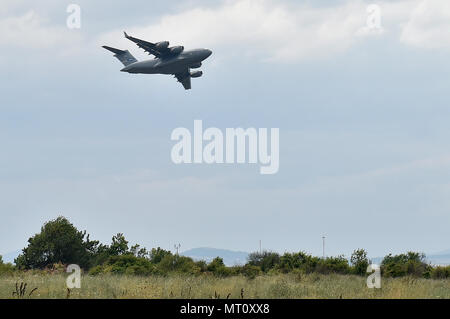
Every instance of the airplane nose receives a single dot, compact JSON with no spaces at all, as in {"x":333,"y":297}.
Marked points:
{"x":208,"y":52}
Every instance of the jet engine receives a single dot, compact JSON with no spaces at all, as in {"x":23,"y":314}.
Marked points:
{"x":196,"y":74}
{"x":162,"y":45}
{"x":196,"y":65}
{"x":177,"y":49}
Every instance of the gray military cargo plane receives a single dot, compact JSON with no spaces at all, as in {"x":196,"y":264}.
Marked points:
{"x":168,"y":60}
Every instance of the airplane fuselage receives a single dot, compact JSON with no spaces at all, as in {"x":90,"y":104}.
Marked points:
{"x":169,"y":65}
{"x":168,"y":60}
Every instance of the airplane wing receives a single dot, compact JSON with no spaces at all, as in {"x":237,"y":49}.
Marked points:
{"x":184,"y":78}
{"x":148,"y":46}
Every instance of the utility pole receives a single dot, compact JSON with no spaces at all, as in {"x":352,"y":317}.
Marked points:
{"x":177,"y":246}
{"x":323,"y":247}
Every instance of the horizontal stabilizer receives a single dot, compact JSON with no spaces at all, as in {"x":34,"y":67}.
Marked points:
{"x":123,"y":56}
{"x":116,"y":51}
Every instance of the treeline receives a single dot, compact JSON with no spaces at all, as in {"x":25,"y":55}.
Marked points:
{"x":60,"y":243}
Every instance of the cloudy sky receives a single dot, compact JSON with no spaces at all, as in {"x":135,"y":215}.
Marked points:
{"x":363,"y":115}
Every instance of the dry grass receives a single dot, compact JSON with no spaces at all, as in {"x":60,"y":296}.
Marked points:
{"x":175,"y":286}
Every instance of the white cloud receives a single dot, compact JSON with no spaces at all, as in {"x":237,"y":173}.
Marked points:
{"x":32,"y":31}
{"x":429,"y":25}
{"x":269,"y":30}
{"x":9,"y":5}
{"x":263,"y":28}
{"x":283,"y":32}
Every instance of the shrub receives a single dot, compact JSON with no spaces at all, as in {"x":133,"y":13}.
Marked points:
{"x":359,"y":262}
{"x":333,"y":265}
{"x":301,"y":261}
{"x":235,"y":270}
{"x":411,"y":263}
{"x":265,"y":260}
{"x":440,"y":272}
{"x":179,"y":264}
{"x":96,"y":270}
{"x":125,"y":264}
{"x":250,"y":271}
{"x":157,"y":254}
{"x":215,"y":264}
{"x":6,"y":268}
{"x":202,"y":265}
{"x":218,"y":268}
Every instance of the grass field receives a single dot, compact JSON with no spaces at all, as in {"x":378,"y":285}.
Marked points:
{"x":174,"y":286}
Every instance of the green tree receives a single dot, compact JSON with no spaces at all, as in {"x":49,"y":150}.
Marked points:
{"x":440,"y":272}
{"x":338,"y":265}
{"x":128,"y":264}
{"x":218,"y":268}
{"x":58,"y":241}
{"x":250,"y":271}
{"x":177,"y":264}
{"x":119,"y":246}
{"x":215,"y":264}
{"x":359,"y":261}
{"x":265,"y":260}
{"x":301,"y":261}
{"x":411,"y":263}
{"x":157,"y":254}
{"x":139,"y":252}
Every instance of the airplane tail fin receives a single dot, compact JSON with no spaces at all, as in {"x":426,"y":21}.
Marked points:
{"x":123,"y":56}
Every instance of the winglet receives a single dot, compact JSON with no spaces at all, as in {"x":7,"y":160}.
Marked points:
{"x":126,"y":35}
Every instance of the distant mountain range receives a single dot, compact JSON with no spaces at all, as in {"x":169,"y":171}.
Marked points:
{"x":231,"y":258}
